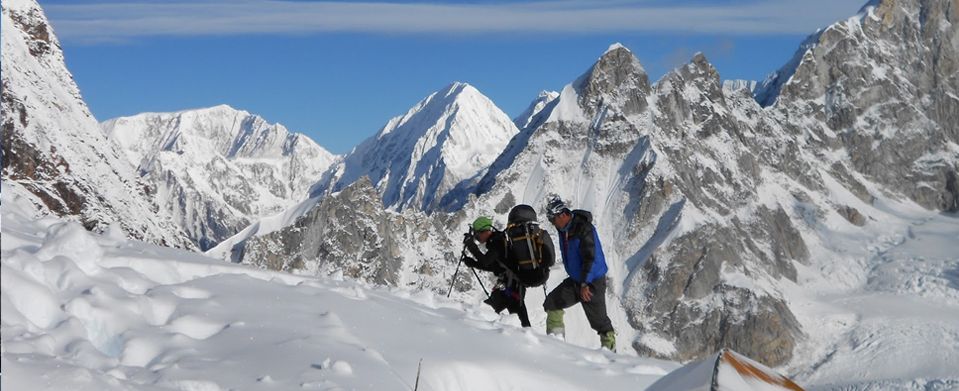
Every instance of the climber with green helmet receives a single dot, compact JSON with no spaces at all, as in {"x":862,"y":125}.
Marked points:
{"x":509,"y":293}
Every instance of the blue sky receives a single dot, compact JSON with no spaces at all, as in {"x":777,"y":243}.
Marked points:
{"x":338,"y":71}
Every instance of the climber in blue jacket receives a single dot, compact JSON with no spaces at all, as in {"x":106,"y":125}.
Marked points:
{"x":586,"y":265}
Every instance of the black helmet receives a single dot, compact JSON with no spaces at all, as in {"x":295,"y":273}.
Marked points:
{"x":555,"y":207}
{"x":522,"y":213}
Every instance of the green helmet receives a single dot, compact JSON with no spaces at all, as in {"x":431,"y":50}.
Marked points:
{"x":482,"y":223}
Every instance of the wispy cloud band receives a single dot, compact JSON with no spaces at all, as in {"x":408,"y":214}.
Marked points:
{"x":124,"y":21}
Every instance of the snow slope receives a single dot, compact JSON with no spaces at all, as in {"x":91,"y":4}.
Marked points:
{"x":83,"y":311}
{"x":881,"y":310}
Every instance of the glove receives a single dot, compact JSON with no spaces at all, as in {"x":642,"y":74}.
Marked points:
{"x":467,"y":238}
{"x":470,"y":262}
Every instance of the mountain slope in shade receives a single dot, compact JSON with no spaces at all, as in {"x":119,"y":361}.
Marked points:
{"x":218,"y":169}
{"x":53,"y":147}
{"x":450,"y":137}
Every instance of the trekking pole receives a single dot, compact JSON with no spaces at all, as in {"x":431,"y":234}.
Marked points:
{"x":453,"y":281}
{"x":480,"y":281}
{"x":462,"y":255}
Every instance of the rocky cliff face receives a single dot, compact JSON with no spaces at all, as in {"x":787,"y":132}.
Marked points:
{"x":881,"y":90}
{"x":52,"y":146}
{"x":350,"y":233}
{"x":862,"y":106}
{"x":707,"y":190}
{"x":217,"y":169}
{"x":671,"y":173}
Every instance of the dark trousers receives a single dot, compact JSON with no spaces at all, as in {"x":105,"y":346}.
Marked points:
{"x":567,"y":295}
{"x":523,"y":315}
{"x":512,"y":300}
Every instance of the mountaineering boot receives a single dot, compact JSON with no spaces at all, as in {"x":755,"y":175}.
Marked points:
{"x":608,"y":340}
{"x":554,"y":323}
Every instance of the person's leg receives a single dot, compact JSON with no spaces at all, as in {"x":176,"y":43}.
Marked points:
{"x":523,"y":316}
{"x":498,"y":300}
{"x":599,"y":320}
{"x":561,"y":297}
{"x":521,"y":311}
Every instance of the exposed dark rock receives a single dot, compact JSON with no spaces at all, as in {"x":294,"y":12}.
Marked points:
{"x":617,"y":79}
{"x":349,"y":232}
{"x":886,"y":85}
{"x":687,"y":300}
{"x":852,"y":215}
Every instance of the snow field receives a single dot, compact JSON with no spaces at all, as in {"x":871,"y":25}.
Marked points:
{"x":88,"y":311}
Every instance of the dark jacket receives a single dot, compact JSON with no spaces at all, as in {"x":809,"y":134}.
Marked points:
{"x":495,"y":256}
{"x":497,"y":260}
{"x":582,"y":252}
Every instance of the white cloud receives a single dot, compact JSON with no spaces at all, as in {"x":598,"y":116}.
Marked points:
{"x":124,"y":21}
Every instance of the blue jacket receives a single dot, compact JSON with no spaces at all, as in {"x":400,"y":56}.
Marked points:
{"x":582,"y":252}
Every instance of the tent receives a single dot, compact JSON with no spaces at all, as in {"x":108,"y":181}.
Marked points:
{"x":724,"y":371}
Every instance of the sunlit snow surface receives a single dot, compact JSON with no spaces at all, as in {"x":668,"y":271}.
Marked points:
{"x":98,"y":312}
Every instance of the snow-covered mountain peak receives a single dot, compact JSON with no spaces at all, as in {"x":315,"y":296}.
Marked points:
{"x":882,"y":87}
{"x":697,"y":77}
{"x":616,"y":81}
{"x":41,"y":42}
{"x":219,"y":167}
{"x":737,"y":85}
{"x":699,"y":61}
{"x":452,"y":135}
{"x":466,"y":127}
{"x":615,"y":46}
{"x":435,"y":105}
{"x":21,"y":5}
{"x":535,"y":107}
{"x":221,"y":129}
{"x":220,"y":108}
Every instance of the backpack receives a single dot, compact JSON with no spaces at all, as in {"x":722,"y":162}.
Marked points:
{"x":529,"y":249}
